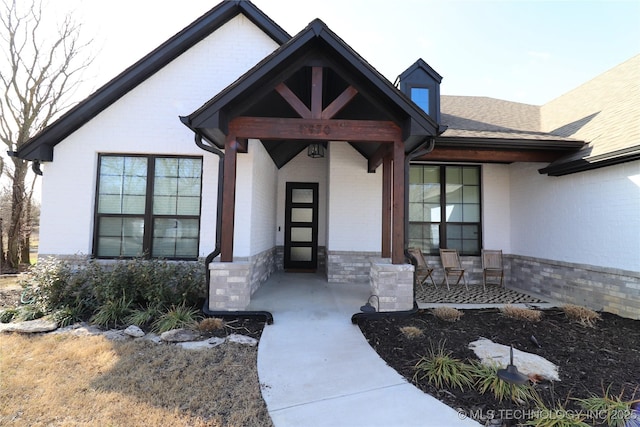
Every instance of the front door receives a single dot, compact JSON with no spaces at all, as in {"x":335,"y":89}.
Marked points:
{"x":301,"y":226}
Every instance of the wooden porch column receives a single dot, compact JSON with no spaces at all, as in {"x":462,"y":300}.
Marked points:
{"x":397,"y":242}
{"x":386,"y":205}
{"x":228,"y":198}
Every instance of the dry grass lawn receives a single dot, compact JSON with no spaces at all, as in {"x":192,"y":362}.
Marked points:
{"x":65,"y":380}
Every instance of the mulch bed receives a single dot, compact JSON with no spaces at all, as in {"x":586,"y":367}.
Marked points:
{"x":590,"y":360}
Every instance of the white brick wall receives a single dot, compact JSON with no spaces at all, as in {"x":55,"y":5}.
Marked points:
{"x":496,"y":207}
{"x":589,"y":218}
{"x":355,"y":202}
{"x":255,"y":215}
{"x":146,"y":121}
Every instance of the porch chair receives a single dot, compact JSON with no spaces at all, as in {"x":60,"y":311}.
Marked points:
{"x":492,"y":265}
{"x":423,"y":271}
{"x":452,"y":266}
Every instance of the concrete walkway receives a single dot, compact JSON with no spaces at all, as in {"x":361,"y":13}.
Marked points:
{"x":316,"y":368}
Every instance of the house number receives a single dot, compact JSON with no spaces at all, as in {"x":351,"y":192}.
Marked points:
{"x":315,"y":129}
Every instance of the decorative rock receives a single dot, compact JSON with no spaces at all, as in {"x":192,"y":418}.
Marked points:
{"x":30,"y":326}
{"x":152,"y":337}
{"x":201,"y":345}
{"x":242,"y":339}
{"x":80,"y":329}
{"x":134,"y":331}
{"x":527,"y":363}
{"x":179,"y":335}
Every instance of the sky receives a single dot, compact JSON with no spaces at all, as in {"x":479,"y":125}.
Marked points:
{"x":529,"y":51}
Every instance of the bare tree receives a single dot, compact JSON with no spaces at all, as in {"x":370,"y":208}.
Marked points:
{"x":38,"y":74}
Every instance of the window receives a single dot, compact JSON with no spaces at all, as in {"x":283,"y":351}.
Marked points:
{"x":148,"y":206}
{"x":420,"y":95}
{"x":444,"y":208}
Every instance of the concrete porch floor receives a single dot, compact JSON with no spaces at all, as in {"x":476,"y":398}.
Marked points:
{"x":316,"y":368}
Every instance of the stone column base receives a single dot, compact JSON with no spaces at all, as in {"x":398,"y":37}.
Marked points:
{"x":230,"y":286}
{"x":393,"y":284}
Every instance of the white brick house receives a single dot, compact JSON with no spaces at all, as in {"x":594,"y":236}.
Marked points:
{"x":134,"y":169}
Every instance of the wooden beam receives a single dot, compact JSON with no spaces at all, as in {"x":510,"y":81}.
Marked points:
{"x":316,"y":92}
{"x":397,"y":242}
{"x":293,"y":100}
{"x":242,"y":145}
{"x":386,"y":205}
{"x":339,"y":103}
{"x":312,"y":129}
{"x":228,"y":199}
{"x":376,"y":159}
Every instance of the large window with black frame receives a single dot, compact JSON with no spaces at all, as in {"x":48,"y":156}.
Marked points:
{"x":444,"y":208}
{"x":148,"y":206}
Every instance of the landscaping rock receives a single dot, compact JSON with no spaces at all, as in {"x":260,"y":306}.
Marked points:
{"x":152,"y":337}
{"x":179,"y":335}
{"x":134,"y":331}
{"x":527,"y":363}
{"x":30,"y":326}
{"x":201,"y":345}
{"x":242,"y":339}
{"x":80,"y":329}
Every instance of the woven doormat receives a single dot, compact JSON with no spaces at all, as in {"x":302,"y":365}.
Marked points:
{"x":458,"y":294}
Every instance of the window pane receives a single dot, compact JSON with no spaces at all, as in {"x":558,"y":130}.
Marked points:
{"x":191,"y":168}
{"x":471,"y":194}
{"x":189,"y":186}
{"x":133,"y":204}
{"x":471,"y":213}
{"x":175,"y":237}
{"x":165,"y":186}
{"x":301,"y":215}
{"x":454,"y":175}
{"x":454,"y":213}
{"x":301,"y":234}
{"x":420,"y":95}
{"x":164,"y":205}
{"x":454,"y":193}
{"x":122,"y":185}
{"x":300,"y":254}
{"x":167,"y":167}
{"x":301,"y":195}
{"x":188,"y":206}
{"x":471,"y":176}
{"x":120,"y":237}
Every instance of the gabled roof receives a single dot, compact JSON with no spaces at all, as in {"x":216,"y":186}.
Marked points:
{"x":40,"y":147}
{"x":254,"y":94}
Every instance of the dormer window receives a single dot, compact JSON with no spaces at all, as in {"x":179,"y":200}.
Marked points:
{"x":421,"y":83}
{"x":420,"y":95}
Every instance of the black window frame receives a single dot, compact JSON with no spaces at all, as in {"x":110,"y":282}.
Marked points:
{"x":148,"y":216}
{"x":442,"y":224}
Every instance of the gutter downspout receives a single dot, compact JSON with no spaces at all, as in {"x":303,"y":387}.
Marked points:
{"x":268,"y":317}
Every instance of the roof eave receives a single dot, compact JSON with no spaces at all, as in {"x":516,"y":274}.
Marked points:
{"x":134,"y":75}
{"x":561,"y":168}
{"x":511,"y":143}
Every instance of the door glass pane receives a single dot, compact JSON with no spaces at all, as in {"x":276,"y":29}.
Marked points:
{"x":300,"y":254}
{"x":301,"y":234}
{"x":471,"y":213}
{"x":302,"y":195}
{"x":302,"y":215}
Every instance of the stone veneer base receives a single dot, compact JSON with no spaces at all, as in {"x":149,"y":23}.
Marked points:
{"x":392,"y":283}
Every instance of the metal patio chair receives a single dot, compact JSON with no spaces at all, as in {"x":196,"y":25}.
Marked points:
{"x":492,"y":265}
{"x":423,"y":271}
{"x":452,"y":266}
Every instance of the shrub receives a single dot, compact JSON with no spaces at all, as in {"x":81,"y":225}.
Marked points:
{"x":143,"y":316}
{"x":440,"y":369}
{"x":411,"y":332}
{"x":519,"y":313}
{"x":29,"y":312}
{"x":616,"y":410}
{"x":6,"y":316}
{"x":211,"y":324}
{"x":582,"y":315}
{"x":448,"y":314}
{"x":486,"y":379}
{"x":180,"y":316}
{"x":113,"y":313}
{"x":92,"y":289}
